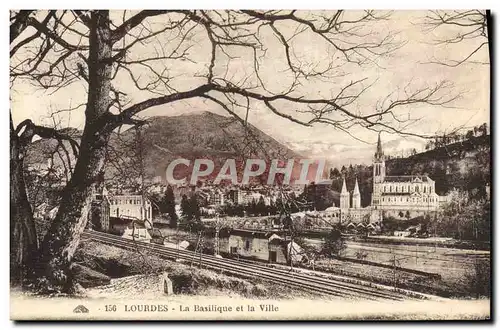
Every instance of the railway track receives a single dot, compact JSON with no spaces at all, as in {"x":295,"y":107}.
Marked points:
{"x":311,"y":283}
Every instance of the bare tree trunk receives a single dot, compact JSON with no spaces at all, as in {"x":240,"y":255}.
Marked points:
{"x":63,"y":237}
{"x":23,"y":240}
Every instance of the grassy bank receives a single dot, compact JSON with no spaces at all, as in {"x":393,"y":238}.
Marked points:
{"x":143,"y":270}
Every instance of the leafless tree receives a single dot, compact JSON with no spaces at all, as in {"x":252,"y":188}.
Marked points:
{"x":132,"y":61}
{"x":24,"y":241}
{"x":468,"y":26}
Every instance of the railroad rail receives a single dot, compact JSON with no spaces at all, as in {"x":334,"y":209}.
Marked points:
{"x":311,"y":283}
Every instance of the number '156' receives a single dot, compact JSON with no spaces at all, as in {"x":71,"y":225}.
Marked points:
{"x":110,"y":308}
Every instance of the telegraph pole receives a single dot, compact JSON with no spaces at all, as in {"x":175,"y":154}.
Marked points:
{"x":140,"y":147}
{"x":216,"y":247}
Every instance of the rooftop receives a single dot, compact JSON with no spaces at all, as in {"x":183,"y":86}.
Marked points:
{"x":407,"y":178}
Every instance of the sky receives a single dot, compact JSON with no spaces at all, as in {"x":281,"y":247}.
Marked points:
{"x":409,"y":64}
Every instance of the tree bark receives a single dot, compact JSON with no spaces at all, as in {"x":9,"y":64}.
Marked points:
{"x":23,"y":239}
{"x":63,"y":237}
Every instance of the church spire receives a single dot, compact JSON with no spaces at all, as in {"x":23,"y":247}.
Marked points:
{"x":379,"y":163}
{"x":356,"y":188}
{"x":356,"y":197}
{"x":344,"y":197}
{"x":344,"y":188}
{"x":379,"y":153}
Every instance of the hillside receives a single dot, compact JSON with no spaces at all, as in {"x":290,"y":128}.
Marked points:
{"x":163,"y":139}
{"x":200,"y":135}
{"x":465,"y":165}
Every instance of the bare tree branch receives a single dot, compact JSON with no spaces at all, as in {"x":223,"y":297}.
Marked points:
{"x":29,"y":130}
{"x":470,"y":27}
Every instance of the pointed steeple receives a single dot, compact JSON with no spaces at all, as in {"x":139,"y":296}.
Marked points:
{"x":356,"y":188}
{"x":379,"y":154}
{"x":344,"y":188}
{"x":356,"y":197}
{"x":344,"y":197}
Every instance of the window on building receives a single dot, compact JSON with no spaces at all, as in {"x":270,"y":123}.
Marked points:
{"x":247,"y":245}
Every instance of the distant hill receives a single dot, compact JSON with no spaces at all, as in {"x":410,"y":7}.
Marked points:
{"x":465,"y":165}
{"x":191,"y":136}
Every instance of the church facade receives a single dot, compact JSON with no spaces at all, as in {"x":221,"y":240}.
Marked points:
{"x":397,"y":196}
{"x":408,"y":193}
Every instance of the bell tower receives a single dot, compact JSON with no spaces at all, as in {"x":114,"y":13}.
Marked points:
{"x":378,"y":163}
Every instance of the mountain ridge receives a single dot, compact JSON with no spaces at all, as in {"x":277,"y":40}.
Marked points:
{"x":146,"y":151}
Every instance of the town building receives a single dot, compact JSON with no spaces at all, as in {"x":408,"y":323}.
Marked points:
{"x":251,"y":196}
{"x":216,"y":197}
{"x":259,"y":245}
{"x":236,"y":196}
{"x":135,"y":207}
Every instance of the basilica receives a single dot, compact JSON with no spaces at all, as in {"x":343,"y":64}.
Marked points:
{"x":413,"y":193}
{"x":398,"y":196}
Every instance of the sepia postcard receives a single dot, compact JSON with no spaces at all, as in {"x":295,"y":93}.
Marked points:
{"x":250,"y":165}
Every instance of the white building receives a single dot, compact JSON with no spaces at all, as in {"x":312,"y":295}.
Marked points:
{"x":406,"y":193}
{"x":217,"y":198}
{"x":251,"y":196}
{"x":131,"y":206}
{"x":393,"y":195}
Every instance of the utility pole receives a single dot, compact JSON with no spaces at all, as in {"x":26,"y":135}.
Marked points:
{"x":177,"y":240}
{"x":394,"y":270}
{"x":201,"y":246}
{"x":199,"y":243}
{"x":140,"y":147}
{"x":216,"y":247}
